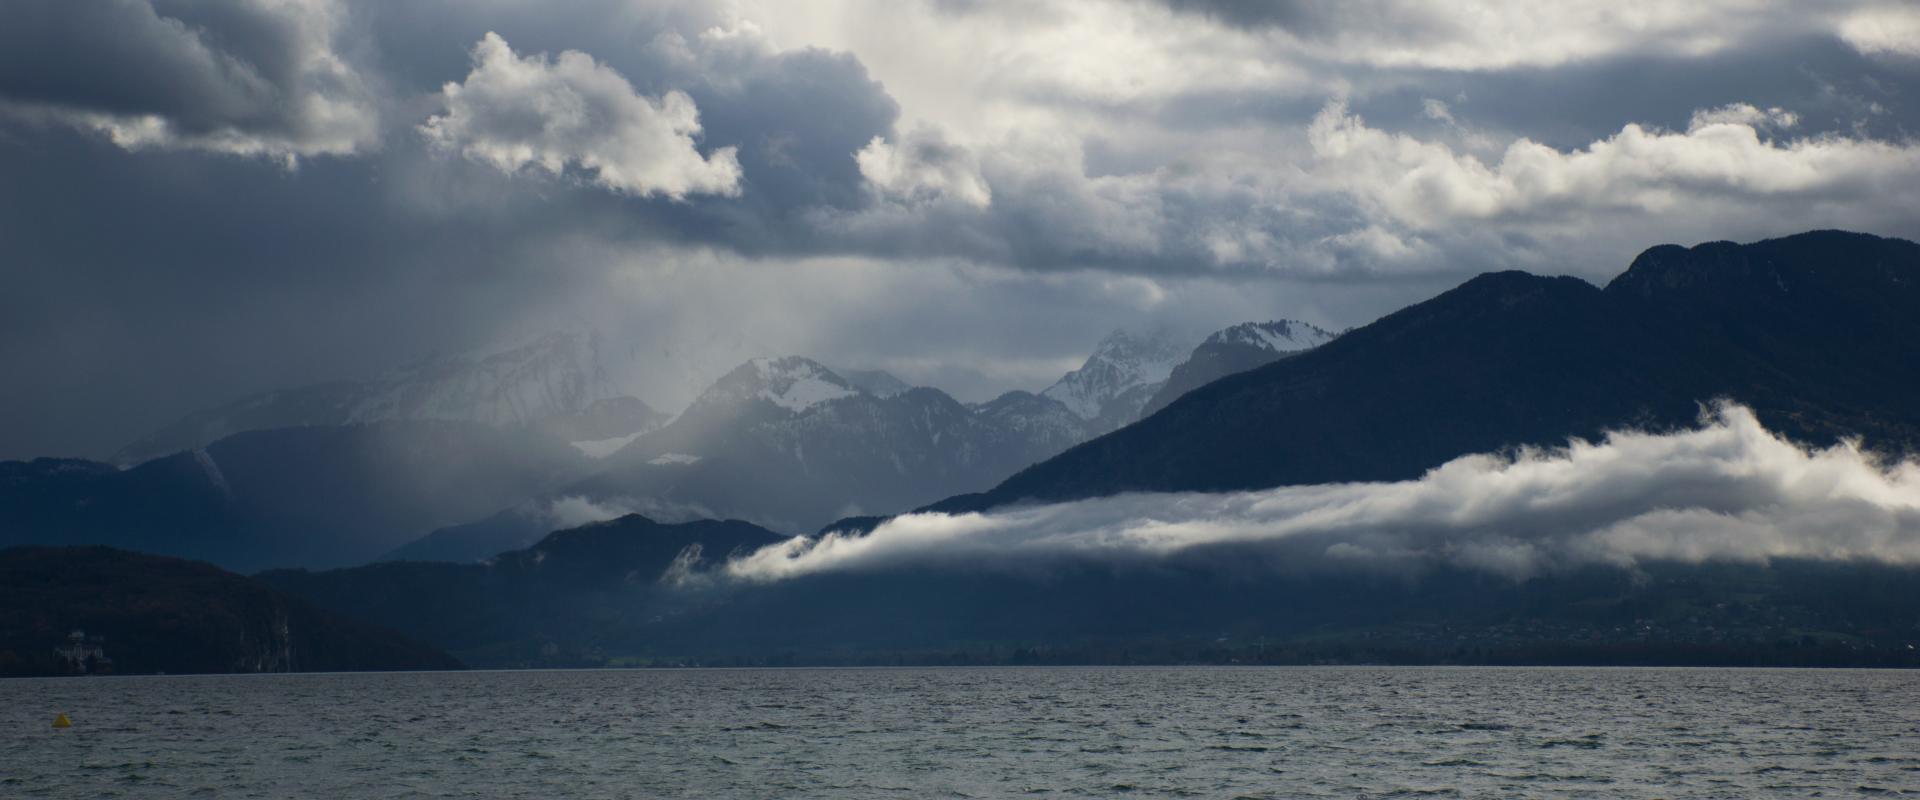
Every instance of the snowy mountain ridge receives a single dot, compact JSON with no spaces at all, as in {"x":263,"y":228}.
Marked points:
{"x":1279,"y":336}
{"x":1235,"y":349}
{"x":1120,"y":376}
{"x":557,"y":378}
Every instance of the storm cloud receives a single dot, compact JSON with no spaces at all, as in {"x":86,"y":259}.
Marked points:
{"x":1728,"y":491}
{"x":513,"y":112}
{"x":212,"y":199}
{"x":248,"y":78}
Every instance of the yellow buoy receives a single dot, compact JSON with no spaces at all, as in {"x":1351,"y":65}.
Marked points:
{"x":62,"y":722}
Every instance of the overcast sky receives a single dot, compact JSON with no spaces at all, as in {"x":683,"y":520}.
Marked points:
{"x":204,"y":199}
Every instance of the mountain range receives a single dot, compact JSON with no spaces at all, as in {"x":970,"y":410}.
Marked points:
{"x":460,"y":458}
{"x":316,"y":496}
{"x":1818,"y":333}
{"x":791,"y":445}
{"x":635,"y":592}
{"x":617,"y":556}
{"x":557,"y":382}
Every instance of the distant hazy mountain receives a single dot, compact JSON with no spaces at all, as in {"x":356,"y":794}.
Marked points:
{"x":317,"y":496}
{"x":1819,"y":333}
{"x":876,"y":382}
{"x":140,"y":614}
{"x":1236,"y":349}
{"x":1124,"y":372}
{"x":791,"y":445}
{"x":557,"y":381}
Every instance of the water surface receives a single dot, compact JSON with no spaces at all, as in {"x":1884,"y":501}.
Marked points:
{"x":911,"y":733}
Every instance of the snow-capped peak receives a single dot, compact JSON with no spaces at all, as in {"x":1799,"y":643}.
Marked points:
{"x":1278,"y":336}
{"x":793,"y":383}
{"x":556,"y":373}
{"x":1121,"y":364}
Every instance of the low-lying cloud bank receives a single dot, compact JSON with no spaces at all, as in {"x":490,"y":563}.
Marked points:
{"x":1728,"y":491}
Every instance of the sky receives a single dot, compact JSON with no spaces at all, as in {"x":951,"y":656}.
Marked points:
{"x":207,"y":199}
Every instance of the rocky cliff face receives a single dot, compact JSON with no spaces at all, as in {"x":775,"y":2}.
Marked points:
{"x":1124,"y":372}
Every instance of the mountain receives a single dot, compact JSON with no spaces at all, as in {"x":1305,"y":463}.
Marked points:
{"x":1236,"y":349}
{"x":633,"y":591}
{"x":1819,"y":333}
{"x":557,"y":381}
{"x":315,"y":496}
{"x":145,"y":614}
{"x":1117,"y":380}
{"x":790,"y":445}
{"x":876,"y":382}
{"x":548,"y":604}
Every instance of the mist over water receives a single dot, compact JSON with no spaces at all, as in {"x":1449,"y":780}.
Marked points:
{"x":1091,"y":732}
{"x":1727,"y":491}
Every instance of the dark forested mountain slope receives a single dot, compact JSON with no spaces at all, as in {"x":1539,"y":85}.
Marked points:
{"x":319,"y":496}
{"x":146,"y":614}
{"x":1235,"y":350}
{"x":569,"y":589}
{"x":1819,"y":333}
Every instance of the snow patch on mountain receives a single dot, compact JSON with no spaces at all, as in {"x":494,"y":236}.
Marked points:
{"x":601,"y":448}
{"x":792,"y":383}
{"x":1125,"y":365}
{"x":558,"y":373}
{"x":797,"y":384}
{"x":1279,"y":336}
{"x":554,"y":376}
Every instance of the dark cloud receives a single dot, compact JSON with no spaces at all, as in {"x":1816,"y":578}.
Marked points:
{"x":1312,"y":19}
{"x":237,"y":77}
{"x":979,"y":234}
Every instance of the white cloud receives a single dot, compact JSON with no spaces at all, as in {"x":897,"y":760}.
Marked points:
{"x":1727,"y":491}
{"x":512,"y":112}
{"x":1883,"y":30}
{"x":252,"y":77}
{"x":573,"y":511}
{"x":923,"y":167}
{"x":1743,"y":114}
{"x":1640,"y":170}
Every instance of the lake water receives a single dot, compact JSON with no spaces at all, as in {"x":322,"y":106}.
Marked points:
{"x":913,"y":733}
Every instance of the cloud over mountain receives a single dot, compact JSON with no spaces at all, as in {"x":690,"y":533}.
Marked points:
{"x":1727,"y":491}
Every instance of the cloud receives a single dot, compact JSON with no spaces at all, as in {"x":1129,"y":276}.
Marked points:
{"x":251,"y":77}
{"x":1743,"y":114}
{"x":923,"y":167}
{"x":1497,"y":34}
{"x":1640,"y":170}
{"x":512,"y":112}
{"x":1727,"y":491}
{"x":1042,"y":170}
{"x":573,"y":511}
{"x":1883,"y":30}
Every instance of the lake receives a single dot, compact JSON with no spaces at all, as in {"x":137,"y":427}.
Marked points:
{"x":914,"y":733}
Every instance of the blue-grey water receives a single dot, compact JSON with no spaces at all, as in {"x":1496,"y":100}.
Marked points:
{"x":1089,"y":732}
